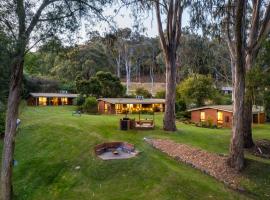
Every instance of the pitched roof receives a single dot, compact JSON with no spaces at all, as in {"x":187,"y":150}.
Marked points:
{"x":131,"y":101}
{"x":228,"y":108}
{"x":53,"y":95}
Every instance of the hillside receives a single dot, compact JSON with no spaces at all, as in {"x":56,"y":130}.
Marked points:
{"x":156,"y":87}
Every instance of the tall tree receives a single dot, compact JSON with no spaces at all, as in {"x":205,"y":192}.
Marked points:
{"x":258,"y":30}
{"x":25,"y":20}
{"x":173,"y":10}
{"x":236,"y":158}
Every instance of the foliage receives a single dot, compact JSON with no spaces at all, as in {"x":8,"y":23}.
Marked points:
{"x":70,"y":87}
{"x":143,"y":92}
{"x":79,"y":101}
{"x":2,"y":119}
{"x":197,"y":89}
{"x":38,"y":84}
{"x":183,"y":115}
{"x":5,"y":59}
{"x":103,"y":84}
{"x":180,"y":105}
{"x":90,"y":105}
{"x":111,"y":85}
{"x":161,"y":94}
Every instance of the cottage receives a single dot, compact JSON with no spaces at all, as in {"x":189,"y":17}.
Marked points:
{"x":53,"y":99}
{"x":221,"y":115}
{"x":122,"y":105}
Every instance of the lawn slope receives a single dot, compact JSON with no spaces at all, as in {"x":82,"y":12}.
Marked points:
{"x":51,"y":143}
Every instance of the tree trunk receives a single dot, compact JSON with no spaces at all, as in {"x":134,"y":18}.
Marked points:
{"x":10,"y":129}
{"x":248,"y":141}
{"x":118,"y":61}
{"x":236,"y":158}
{"x":247,"y":126}
{"x":169,"y":115}
{"x":233,"y":76}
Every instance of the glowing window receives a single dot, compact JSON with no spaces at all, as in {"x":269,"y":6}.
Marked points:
{"x":202,"y":116}
{"x":42,"y":101}
{"x":220,"y":117}
{"x":106,"y":107}
{"x":64,"y":100}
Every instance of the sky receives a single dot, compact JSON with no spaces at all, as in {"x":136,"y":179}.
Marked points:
{"x":124,"y":19}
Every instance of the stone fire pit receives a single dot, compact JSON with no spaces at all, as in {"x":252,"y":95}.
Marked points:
{"x":115,"y":150}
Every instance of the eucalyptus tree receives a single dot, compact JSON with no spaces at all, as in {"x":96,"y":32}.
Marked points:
{"x":33,"y":20}
{"x":256,"y":29}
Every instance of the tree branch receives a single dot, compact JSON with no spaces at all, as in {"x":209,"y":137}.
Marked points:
{"x":160,"y":29}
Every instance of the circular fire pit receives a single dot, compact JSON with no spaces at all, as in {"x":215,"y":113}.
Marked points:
{"x":115,"y":150}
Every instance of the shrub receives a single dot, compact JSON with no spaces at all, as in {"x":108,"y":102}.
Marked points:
{"x":180,"y":105}
{"x":79,"y":101}
{"x":161,"y":94}
{"x":183,"y":115}
{"x":90,"y":105}
{"x":143,"y":92}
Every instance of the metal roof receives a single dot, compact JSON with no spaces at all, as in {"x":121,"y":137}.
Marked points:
{"x":131,"y":101}
{"x":53,"y":95}
{"x":228,"y":108}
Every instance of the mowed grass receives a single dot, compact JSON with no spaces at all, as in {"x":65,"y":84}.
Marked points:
{"x":51,"y":143}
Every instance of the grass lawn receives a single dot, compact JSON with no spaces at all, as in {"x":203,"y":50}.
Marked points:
{"x":51,"y":143}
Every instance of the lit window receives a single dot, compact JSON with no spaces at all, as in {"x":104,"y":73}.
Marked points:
{"x":202,"y":116}
{"x":64,"y":100}
{"x":106,"y":107}
{"x":220,"y":117}
{"x":42,"y":101}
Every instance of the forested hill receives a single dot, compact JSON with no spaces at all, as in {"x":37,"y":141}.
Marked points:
{"x":128,"y":55}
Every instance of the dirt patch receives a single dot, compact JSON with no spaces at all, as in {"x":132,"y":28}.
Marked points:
{"x":261,"y":148}
{"x":210,"y":163}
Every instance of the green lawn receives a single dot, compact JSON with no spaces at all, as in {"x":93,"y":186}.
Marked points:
{"x":51,"y":143}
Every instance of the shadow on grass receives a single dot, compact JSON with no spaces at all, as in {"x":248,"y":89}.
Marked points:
{"x":257,"y":173}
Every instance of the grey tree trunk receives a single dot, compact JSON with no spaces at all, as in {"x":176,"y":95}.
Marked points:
{"x":169,"y":115}
{"x":118,"y":61}
{"x":233,"y":76}
{"x":236,"y":157}
{"x":247,"y":127}
{"x":10,"y":129}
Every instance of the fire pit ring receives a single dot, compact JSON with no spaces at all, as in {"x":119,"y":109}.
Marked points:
{"x":115,"y":150}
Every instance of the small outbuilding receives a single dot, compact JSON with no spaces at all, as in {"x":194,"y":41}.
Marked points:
{"x":221,"y":115}
{"x":52,"y":99}
{"x":131,"y":105}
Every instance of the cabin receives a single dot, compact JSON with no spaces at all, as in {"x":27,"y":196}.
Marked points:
{"x":130,"y":105}
{"x":50,"y":99}
{"x":221,"y":115}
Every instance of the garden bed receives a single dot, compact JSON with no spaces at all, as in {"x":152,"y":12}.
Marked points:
{"x":210,"y":163}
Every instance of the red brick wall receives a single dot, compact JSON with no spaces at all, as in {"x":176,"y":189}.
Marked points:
{"x":195,"y":116}
{"x":229,"y":115}
{"x":212,"y":115}
{"x":101,"y":106}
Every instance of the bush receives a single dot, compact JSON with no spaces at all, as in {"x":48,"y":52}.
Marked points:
{"x":90,"y":105}
{"x":180,"y":105}
{"x":161,"y":94}
{"x":183,"y":115}
{"x":79,"y":101}
{"x":143,"y":92}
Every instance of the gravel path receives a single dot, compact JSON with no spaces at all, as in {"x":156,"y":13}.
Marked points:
{"x":210,"y":163}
